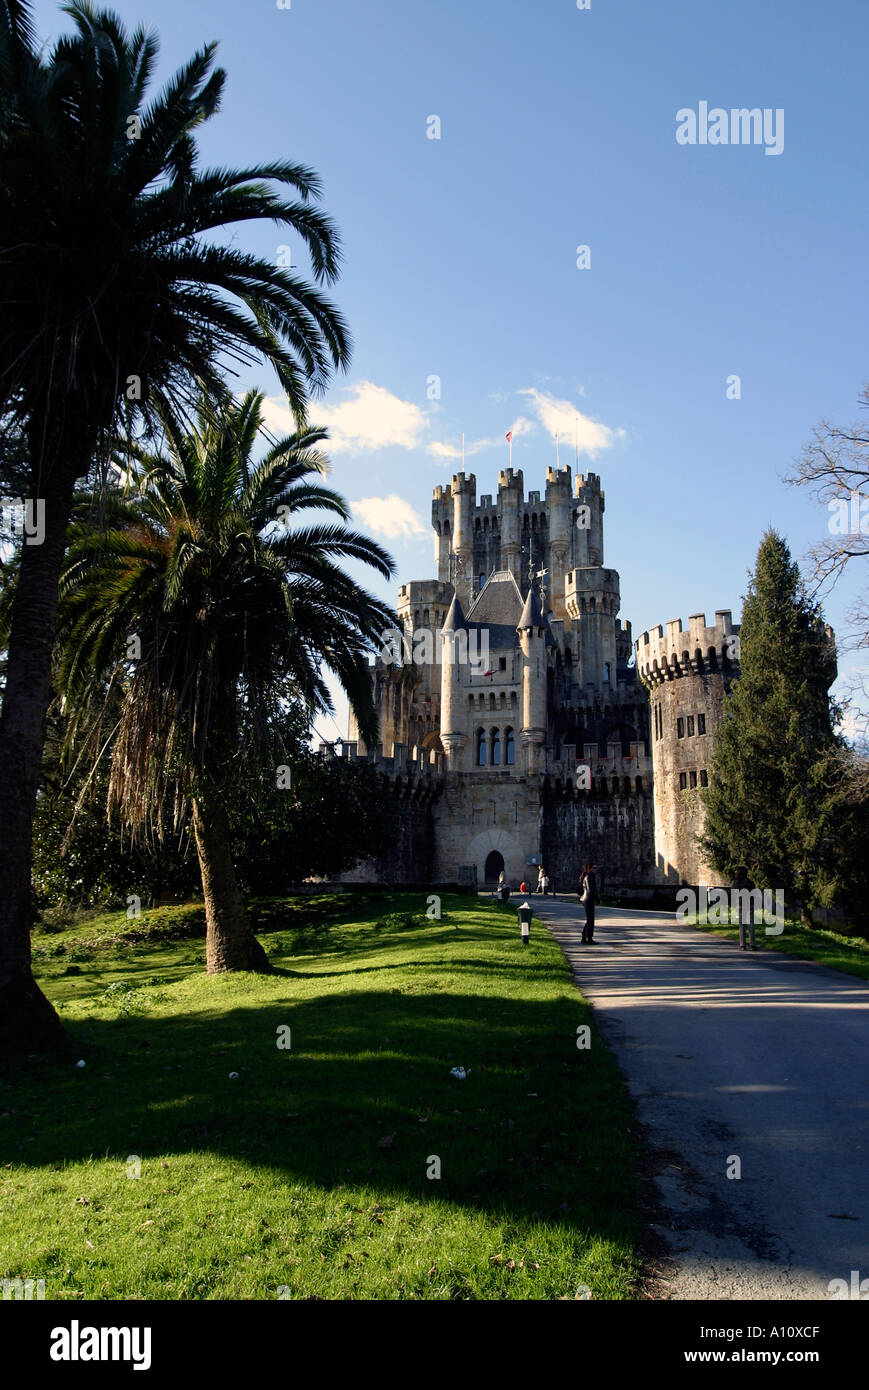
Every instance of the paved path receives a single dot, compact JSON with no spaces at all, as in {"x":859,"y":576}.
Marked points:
{"x":733,"y":1053}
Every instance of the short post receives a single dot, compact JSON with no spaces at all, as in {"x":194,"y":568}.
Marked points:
{"x":525,"y":915}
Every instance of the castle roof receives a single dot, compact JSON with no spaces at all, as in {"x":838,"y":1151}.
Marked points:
{"x":498,"y":603}
{"x":455,"y":619}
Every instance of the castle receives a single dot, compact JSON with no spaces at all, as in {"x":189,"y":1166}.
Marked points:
{"x":519,"y":723}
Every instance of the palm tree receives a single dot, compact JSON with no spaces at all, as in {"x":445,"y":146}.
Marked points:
{"x":234,"y":610}
{"x":112,"y":299}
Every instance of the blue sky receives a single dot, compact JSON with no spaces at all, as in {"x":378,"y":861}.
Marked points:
{"x":558,"y":129}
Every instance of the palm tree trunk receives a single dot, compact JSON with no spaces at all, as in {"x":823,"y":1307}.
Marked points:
{"x":27,"y":1020}
{"x":230,"y":944}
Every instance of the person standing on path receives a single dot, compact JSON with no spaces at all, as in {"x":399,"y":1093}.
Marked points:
{"x":588,"y":898}
{"x":743,"y":886}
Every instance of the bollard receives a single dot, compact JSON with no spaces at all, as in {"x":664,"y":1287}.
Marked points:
{"x":525,"y":914}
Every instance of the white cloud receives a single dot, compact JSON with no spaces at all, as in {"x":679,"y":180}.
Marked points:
{"x":439,"y":449}
{"x":389,"y":516}
{"x":373,"y":418}
{"x":565,"y":419}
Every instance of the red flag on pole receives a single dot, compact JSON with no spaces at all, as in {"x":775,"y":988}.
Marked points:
{"x":509,"y":436}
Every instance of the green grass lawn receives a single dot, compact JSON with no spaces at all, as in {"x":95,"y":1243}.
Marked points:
{"x":819,"y":944}
{"x":305,"y":1175}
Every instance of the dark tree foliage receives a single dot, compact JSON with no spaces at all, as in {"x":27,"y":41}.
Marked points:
{"x":333,"y":813}
{"x":768,"y":802}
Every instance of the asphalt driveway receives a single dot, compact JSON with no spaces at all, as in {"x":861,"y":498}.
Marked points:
{"x":730,"y":1056}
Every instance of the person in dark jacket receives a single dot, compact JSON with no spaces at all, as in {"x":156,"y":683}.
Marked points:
{"x":743,"y":885}
{"x":588,"y":898}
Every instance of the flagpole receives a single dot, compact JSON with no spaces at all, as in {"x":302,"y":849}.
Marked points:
{"x":556,"y":451}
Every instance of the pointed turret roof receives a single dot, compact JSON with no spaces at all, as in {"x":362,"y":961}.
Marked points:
{"x":531,"y":614}
{"x":455,"y":619}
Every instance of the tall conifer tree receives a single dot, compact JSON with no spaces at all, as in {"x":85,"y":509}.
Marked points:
{"x":766,"y":795}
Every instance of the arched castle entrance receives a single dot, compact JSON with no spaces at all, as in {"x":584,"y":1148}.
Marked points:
{"x":494,"y":865}
{"x":508,"y":848}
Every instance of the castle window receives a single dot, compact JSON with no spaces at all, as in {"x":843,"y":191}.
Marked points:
{"x":701,"y":723}
{"x":502,"y":663}
{"x":496,"y":748}
{"x":481,"y":748}
{"x":492,"y":701}
{"x":690,"y":726}
{"x":509,"y":748}
{"x":606,"y":671}
{"x":683,"y":781}
{"x":680,"y":728}
{"x":482,"y":582}
{"x":692,"y":779}
{"x":704,"y":777}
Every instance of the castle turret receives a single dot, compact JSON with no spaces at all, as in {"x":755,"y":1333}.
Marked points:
{"x":559,"y":512}
{"x":593,"y":600}
{"x":454,"y":648}
{"x":464,"y":494}
{"x":532,"y":642}
{"x":511,"y":491}
{"x":442,"y":521}
{"x":688,"y":674}
{"x":588,"y":521}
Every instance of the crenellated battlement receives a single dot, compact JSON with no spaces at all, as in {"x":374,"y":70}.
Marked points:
{"x":512,"y":479}
{"x":415,"y":766}
{"x":558,"y":477}
{"x":586,"y":487}
{"x":560,"y":488}
{"x":463,"y":483}
{"x":612,"y":774}
{"x":666,"y":654}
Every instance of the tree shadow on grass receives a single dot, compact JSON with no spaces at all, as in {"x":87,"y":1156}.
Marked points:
{"x":539,"y":1130}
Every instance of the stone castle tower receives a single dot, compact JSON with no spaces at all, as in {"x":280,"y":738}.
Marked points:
{"x":522,"y":709}
{"x":688,"y":674}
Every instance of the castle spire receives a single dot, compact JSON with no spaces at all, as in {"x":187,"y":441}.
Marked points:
{"x":455,"y":619}
{"x":531,"y":614}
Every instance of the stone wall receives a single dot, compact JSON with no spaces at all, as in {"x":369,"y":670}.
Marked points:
{"x":615,"y":832}
{"x":410,"y":857}
{"x":484,"y":812}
